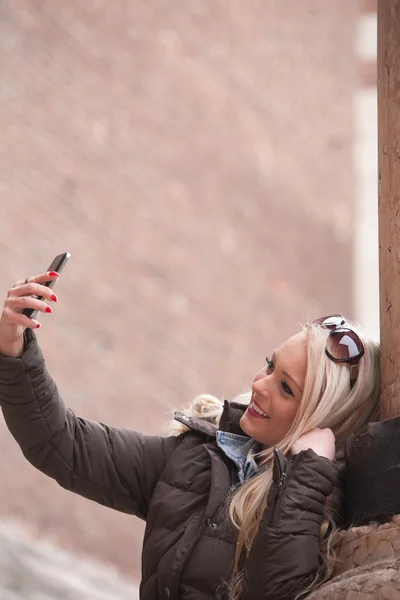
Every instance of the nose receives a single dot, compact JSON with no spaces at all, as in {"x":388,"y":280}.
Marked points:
{"x":260,"y":385}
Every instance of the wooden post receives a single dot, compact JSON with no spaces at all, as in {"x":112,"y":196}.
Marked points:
{"x":389,"y":202}
{"x":369,"y":557}
{"x":373,"y":460}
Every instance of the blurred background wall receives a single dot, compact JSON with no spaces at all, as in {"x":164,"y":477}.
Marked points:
{"x":201,"y":162}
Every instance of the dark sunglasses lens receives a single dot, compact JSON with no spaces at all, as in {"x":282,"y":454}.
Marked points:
{"x":330,"y":322}
{"x":344,"y":344}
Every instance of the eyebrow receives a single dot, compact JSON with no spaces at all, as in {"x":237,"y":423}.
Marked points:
{"x":287,"y":374}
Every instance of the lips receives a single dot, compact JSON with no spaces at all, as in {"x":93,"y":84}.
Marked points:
{"x":256,"y":411}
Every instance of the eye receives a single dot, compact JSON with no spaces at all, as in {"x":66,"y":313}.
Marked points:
{"x":286,"y":388}
{"x":270,"y":364}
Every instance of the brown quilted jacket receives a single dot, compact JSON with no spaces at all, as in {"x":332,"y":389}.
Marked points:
{"x":178,"y":485}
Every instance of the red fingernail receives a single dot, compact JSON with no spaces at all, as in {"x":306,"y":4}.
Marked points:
{"x":54,"y":298}
{"x":37,"y":325}
{"x":48,"y":309}
{"x":54,"y":274}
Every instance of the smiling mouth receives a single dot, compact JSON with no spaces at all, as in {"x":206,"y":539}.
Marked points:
{"x":258,"y":410}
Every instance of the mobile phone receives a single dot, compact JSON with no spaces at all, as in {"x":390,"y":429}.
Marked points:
{"x":56,"y":265}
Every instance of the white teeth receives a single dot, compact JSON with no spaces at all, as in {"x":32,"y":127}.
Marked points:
{"x":258,"y":410}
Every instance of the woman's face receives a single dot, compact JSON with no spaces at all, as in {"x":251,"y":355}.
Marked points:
{"x":277,"y":391}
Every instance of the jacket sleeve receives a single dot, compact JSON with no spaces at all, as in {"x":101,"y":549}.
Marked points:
{"x":118,"y":468}
{"x":285,"y":555}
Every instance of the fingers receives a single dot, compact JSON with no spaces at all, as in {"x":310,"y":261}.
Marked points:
{"x":40,"y":279}
{"x":44,"y":277}
{"x":31,"y":295}
{"x":17,"y":318}
{"x":322,"y":441}
{"x":19,"y":303}
{"x":32,"y":289}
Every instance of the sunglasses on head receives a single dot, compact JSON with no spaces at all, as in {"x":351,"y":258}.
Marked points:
{"x":343,"y":344}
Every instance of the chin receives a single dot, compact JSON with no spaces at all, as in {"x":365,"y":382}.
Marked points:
{"x":249,"y":427}
{"x":255,"y":431}
{"x":244,"y":424}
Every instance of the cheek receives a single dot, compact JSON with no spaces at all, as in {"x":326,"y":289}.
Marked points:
{"x":288,"y":415}
{"x":286,"y":410}
{"x":283,"y":411}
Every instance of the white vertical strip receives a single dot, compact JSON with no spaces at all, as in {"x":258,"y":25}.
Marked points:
{"x":366,"y":251}
{"x":367,"y":37}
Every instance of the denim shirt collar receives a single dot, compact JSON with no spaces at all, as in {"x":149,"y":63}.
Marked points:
{"x":229,"y":438}
{"x":241,"y":450}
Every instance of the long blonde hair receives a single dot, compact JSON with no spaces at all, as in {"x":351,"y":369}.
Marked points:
{"x":327,"y":401}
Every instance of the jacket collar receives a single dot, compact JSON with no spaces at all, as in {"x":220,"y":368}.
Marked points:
{"x":229,"y":422}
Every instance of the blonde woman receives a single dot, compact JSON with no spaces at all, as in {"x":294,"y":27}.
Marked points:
{"x":243,"y":499}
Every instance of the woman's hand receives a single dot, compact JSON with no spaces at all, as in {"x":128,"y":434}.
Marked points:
{"x":322,"y":441}
{"x":13,"y":322}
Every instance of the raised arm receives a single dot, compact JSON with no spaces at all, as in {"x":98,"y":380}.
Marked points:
{"x":285,"y":555}
{"x":115,"y":467}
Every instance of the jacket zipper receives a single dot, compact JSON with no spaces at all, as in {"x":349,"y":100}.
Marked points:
{"x":231,"y":490}
{"x":282,"y":465}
